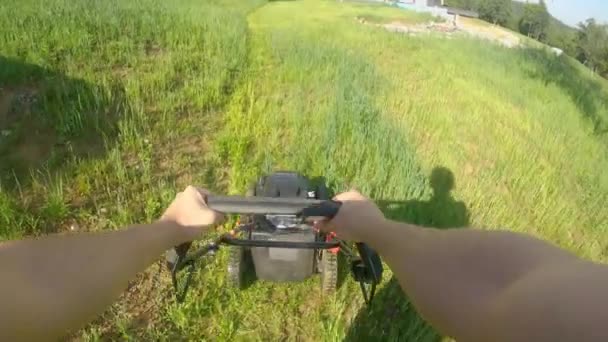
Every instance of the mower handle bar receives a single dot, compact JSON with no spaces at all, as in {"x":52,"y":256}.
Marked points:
{"x":280,"y":244}
{"x":274,"y":205}
{"x":369,"y":267}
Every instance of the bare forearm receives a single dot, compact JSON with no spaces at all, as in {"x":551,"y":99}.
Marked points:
{"x":56,"y":283}
{"x":478,"y":285}
{"x":453,"y":276}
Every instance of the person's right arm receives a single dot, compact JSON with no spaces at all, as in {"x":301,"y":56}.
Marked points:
{"x":477,"y":285}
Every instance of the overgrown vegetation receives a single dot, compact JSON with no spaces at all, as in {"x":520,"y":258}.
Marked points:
{"x":593,"y":46}
{"x":108,"y":108}
{"x":535,"y":21}
{"x":495,"y":11}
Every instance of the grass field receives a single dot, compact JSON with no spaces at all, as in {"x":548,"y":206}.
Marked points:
{"x":107,"y":108}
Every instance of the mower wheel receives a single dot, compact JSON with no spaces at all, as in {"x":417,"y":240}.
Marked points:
{"x":236,"y":267}
{"x":250,"y":190}
{"x":239,"y":258}
{"x":329,"y":272}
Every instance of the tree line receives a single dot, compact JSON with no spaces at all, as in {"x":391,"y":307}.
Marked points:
{"x":588,"y":42}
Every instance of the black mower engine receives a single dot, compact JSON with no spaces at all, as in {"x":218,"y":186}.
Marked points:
{"x":275,"y":241}
{"x":283,"y":264}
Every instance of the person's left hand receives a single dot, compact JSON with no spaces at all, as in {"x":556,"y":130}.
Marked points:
{"x":189,"y":209}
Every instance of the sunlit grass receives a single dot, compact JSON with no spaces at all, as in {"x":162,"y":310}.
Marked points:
{"x":132,"y":100}
{"x":377,"y":111}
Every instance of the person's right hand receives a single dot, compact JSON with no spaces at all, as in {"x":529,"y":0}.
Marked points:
{"x":356,"y":218}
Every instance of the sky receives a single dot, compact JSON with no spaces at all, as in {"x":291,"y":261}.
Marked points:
{"x":572,"y":12}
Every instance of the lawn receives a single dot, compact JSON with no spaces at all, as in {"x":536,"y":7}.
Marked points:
{"x":107,"y":108}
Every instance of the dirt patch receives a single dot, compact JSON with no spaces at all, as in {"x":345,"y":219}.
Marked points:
{"x":32,"y":151}
{"x":14,"y":102}
{"x":6,"y":100}
{"x":120,"y":71}
{"x":35,"y":149}
{"x":33,"y":146}
{"x":398,"y":26}
{"x":467,"y":26}
{"x":488,"y":31}
{"x":30,"y":143}
{"x":153,"y":49}
{"x":190,"y":160}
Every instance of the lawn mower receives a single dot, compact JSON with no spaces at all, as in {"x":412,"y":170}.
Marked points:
{"x":275,"y":240}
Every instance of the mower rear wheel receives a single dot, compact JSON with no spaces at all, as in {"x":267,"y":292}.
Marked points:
{"x":239,"y":258}
{"x":237,"y":262}
{"x":329,"y":272}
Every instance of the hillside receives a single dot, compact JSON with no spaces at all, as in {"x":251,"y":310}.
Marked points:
{"x":558,"y":34}
{"x":107,"y":109}
{"x":517,"y":11}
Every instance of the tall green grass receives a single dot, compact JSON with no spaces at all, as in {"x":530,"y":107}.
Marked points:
{"x":519,"y":128}
{"x":110,"y":109}
{"x":111,"y":105}
{"x":108,"y":84}
{"x":115,"y":105}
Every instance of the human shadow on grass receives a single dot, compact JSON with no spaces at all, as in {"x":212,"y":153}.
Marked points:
{"x":47,"y":121}
{"x":587,"y":93}
{"x":391,"y":316}
{"x":48,"y":118}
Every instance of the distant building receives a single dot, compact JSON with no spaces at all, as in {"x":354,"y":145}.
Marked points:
{"x":428,"y":3}
{"x":440,"y":3}
{"x":434,"y":7}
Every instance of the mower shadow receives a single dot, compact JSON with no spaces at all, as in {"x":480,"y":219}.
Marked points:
{"x":249,"y":276}
{"x":391,"y":313}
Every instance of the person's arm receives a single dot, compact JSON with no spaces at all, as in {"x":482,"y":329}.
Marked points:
{"x":54,"y":284}
{"x":477,"y":285}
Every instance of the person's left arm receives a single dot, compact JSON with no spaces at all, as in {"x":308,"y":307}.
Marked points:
{"x":54,"y":284}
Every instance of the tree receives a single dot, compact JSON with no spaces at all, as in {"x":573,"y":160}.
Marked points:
{"x":593,"y":46}
{"x":495,"y":11}
{"x":564,"y":40}
{"x":535,"y":21}
{"x":562,"y":36}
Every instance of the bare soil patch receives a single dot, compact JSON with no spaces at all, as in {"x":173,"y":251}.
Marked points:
{"x":467,"y":26}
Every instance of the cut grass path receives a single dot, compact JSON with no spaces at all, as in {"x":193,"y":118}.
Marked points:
{"x":378,"y":111}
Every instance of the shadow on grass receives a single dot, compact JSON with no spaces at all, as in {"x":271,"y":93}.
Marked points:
{"x":588,"y":94}
{"x":47,"y":121}
{"x":391,"y":316}
{"x":46,"y":118}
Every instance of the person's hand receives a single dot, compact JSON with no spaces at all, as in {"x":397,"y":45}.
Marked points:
{"x":189,"y":209}
{"x":356,"y":217}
